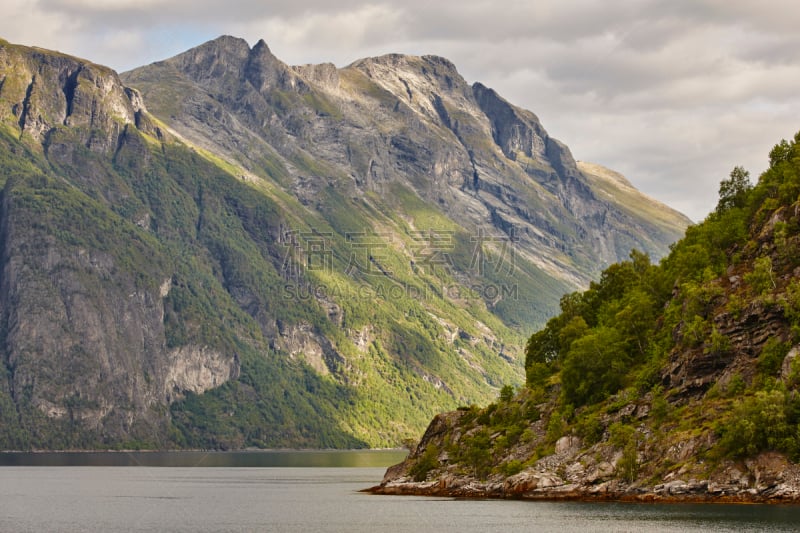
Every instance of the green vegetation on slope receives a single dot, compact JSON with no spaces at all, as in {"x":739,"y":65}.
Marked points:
{"x":237,"y":284}
{"x":698,"y":344}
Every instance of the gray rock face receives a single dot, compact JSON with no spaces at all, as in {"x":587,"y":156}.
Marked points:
{"x":485,"y":163}
{"x":89,"y":96}
{"x":83,"y":322}
{"x":513,"y":132}
{"x":85,"y":339}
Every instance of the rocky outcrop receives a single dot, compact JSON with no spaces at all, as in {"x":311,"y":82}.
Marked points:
{"x":577,"y":472}
{"x":197,"y":370}
{"x":301,"y":341}
{"x":43,"y":91}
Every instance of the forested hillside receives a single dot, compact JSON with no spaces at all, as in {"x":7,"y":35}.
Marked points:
{"x":672,"y":379}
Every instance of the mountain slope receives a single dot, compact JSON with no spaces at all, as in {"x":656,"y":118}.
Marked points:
{"x":264,"y":258}
{"x":486,"y":164}
{"x":677,"y":381}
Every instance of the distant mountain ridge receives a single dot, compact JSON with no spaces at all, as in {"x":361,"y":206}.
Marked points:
{"x":219,"y":250}
{"x":413,"y":120}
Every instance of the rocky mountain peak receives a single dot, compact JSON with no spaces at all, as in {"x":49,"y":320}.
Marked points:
{"x":425,"y":74}
{"x":262,"y":48}
{"x":228,"y":61}
{"x":265,"y":71}
{"x":41,"y":91}
{"x":225,"y":47}
{"x":215,"y":60}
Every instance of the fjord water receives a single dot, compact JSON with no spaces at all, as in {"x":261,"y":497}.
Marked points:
{"x":257,"y":491}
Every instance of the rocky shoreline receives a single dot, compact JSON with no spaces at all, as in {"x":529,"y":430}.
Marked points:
{"x":677,"y":491}
{"x":574,"y":473}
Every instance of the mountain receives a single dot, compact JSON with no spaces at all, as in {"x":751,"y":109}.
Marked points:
{"x":677,"y":381}
{"x":411,"y":122}
{"x":220,"y":250}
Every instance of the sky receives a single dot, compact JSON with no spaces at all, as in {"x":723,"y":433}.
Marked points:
{"x":671,"y":93}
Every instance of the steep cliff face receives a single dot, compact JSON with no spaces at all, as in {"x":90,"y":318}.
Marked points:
{"x":270,"y":255}
{"x":82,"y":289}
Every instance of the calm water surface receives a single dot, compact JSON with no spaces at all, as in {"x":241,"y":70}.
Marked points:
{"x":309,"y":498}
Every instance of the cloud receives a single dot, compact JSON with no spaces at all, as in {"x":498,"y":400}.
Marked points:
{"x":673,"y":93}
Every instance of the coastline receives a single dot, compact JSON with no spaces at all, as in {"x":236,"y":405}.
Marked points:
{"x":697,"y":493}
{"x":594,"y":474}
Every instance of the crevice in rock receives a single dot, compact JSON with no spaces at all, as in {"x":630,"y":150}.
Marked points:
{"x":121,"y":138}
{"x":69,"y":93}
{"x":444,"y":116}
{"x":26,"y":106}
{"x":408,"y":89}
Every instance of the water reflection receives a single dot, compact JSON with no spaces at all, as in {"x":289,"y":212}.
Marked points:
{"x":257,"y":458}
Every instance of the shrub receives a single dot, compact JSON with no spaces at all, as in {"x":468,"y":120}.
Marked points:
{"x":512,"y":467}
{"x":736,"y":386}
{"x":590,"y":429}
{"x":426,"y":462}
{"x":620,"y":435}
{"x":762,"y":278}
{"x":659,"y":407}
{"x":556,"y":427}
{"x":507,"y":393}
{"x":718,"y":343}
{"x":756,"y":424}
{"x":476,"y":453}
{"x":771,"y":357}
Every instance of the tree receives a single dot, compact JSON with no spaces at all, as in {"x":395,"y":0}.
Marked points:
{"x":733,"y":191}
{"x":507,"y":393}
{"x":636,"y":319}
{"x":780,"y":152}
{"x":594,"y":367}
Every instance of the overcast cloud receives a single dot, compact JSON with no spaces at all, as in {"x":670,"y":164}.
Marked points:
{"x":673,"y":94}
